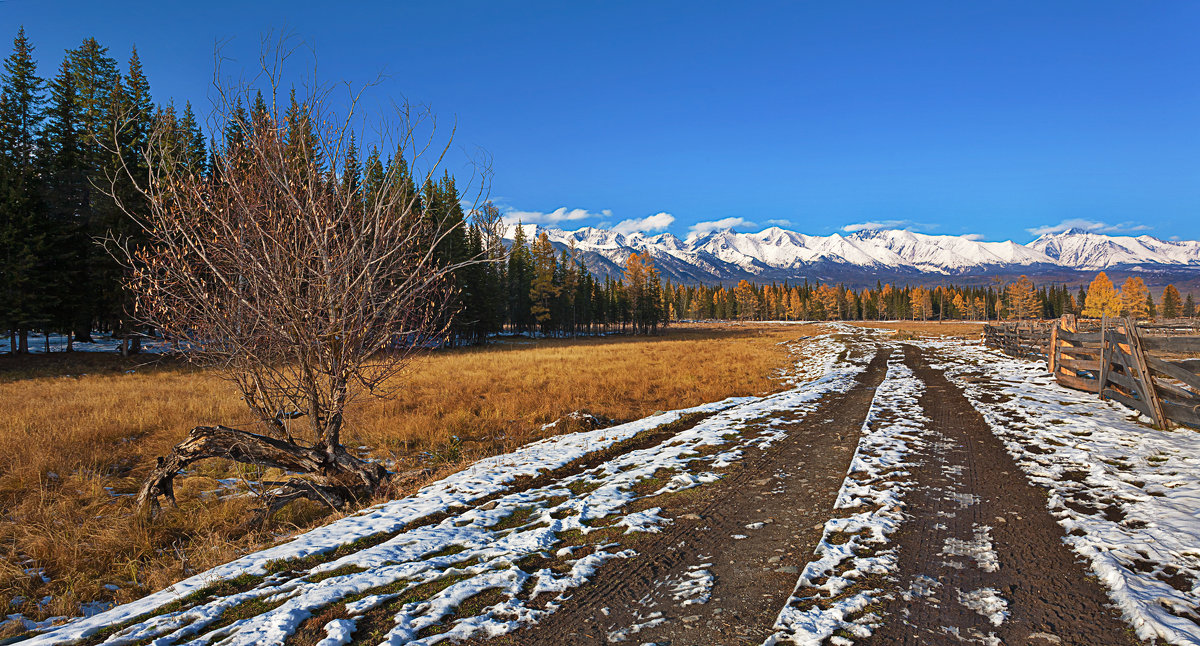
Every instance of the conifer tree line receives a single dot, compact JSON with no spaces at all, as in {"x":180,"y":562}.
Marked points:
{"x":63,"y":135}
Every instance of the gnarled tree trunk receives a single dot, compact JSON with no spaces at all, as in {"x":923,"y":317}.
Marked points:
{"x":331,"y":474}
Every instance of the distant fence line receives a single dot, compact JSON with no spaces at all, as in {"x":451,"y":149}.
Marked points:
{"x":1151,"y":368}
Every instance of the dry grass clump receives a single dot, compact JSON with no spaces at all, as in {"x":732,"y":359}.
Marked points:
{"x":77,"y":435}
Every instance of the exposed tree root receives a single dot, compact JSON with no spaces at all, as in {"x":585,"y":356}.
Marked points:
{"x":331,"y":475}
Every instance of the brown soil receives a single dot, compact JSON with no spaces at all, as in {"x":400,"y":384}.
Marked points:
{"x":789,"y":488}
{"x":1051,"y":597}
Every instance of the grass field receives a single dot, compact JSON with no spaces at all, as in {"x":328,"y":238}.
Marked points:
{"x":78,"y":433}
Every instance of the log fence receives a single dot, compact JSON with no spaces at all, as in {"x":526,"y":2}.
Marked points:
{"x":1151,"y":368}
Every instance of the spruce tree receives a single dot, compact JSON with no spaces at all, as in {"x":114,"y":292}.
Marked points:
{"x":65,"y":185}
{"x":1172,"y":306}
{"x":520,"y":270}
{"x":193,"y":157}
{"x":97,"y":93}
{"x":21,"y":106}
{"x":351,"y":170}
{"x":24,"y":298}
{"x":21,"y":240}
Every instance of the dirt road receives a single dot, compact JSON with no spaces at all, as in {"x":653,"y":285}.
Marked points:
{"x":978,"y":558}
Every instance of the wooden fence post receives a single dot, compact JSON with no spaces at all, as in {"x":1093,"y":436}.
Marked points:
{"x":1145,"y":379}
{"x":1103,"y":354}
{"x":1052,"y":351}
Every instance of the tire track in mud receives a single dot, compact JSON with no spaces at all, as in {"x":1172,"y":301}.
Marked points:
{"x":981,"y":561}
{"x":719,"y":573}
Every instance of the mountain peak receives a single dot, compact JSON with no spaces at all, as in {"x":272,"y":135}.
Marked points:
{"x":1074,"y":231}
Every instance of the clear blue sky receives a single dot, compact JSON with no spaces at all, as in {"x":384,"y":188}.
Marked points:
{"x":991,"y":118}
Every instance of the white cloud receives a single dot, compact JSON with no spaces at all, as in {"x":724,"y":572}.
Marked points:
{"x":656,"y":222}
{"x":908,"y":225}
{"x":1091,"y":226}
{"x":701,"y":228}
{"x":974,"y":237}
{"x":557,"y":216}
{"x":780,"y":223}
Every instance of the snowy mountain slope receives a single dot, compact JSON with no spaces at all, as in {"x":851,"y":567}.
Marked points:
{"x":1083,"y":250}
{"x":779,"y":254}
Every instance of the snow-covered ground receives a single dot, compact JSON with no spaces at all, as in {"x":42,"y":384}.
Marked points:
{"x":477,"y":548}
{"x":102,"y":343}
{"x":1127,"y":494}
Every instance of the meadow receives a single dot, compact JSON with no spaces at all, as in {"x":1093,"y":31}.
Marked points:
{"x":79,"y":432}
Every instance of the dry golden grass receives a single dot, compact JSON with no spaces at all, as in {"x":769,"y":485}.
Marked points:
{"x":73,"y":447}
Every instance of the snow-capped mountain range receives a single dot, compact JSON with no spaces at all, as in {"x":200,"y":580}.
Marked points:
{"x":863,"y":256}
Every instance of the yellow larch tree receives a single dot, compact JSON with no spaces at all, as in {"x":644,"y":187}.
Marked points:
{"x":1135,"y":298}
{"x":1102,"y":298}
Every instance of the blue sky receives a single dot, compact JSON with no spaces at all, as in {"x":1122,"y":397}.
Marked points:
{"x":996,"y":119}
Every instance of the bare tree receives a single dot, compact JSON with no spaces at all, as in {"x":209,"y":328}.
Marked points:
{"x":304,"y":289}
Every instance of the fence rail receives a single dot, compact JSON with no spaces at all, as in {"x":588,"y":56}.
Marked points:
{"x":1151,"y":368}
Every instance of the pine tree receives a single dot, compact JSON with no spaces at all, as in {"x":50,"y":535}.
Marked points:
{"x":1189,"y":306}
{"x":520,"y":275}
{"x":21,"y":106}
{"x":65,"y":173}
{"x":24,"y":297}
{"x":97,"y":95}
{"x":1172,"y":305}
{"x":351,"y":169}
{"x":191,"y":142}
{"x":21,"y":240}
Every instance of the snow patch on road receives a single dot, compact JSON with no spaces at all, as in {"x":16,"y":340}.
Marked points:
{"x":695,"y":587}
{"x":987,"y":602}
{"x":978,"y":548}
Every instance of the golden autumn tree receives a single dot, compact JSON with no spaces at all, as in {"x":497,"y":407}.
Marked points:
{"x":1022,"y":299}
{"x":796,"y":309}
{"x":1102,"y":298}
{"x":921,"y":300}
{"x":746,"y":299}
{"x":979,"y":308}
{"x":960,"y":305}
{"x":542,"y":289}
{"x":1135,"y":298}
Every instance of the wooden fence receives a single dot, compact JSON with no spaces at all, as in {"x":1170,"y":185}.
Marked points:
{"x":1026,"y":339}
{"x":1152,"y":369}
